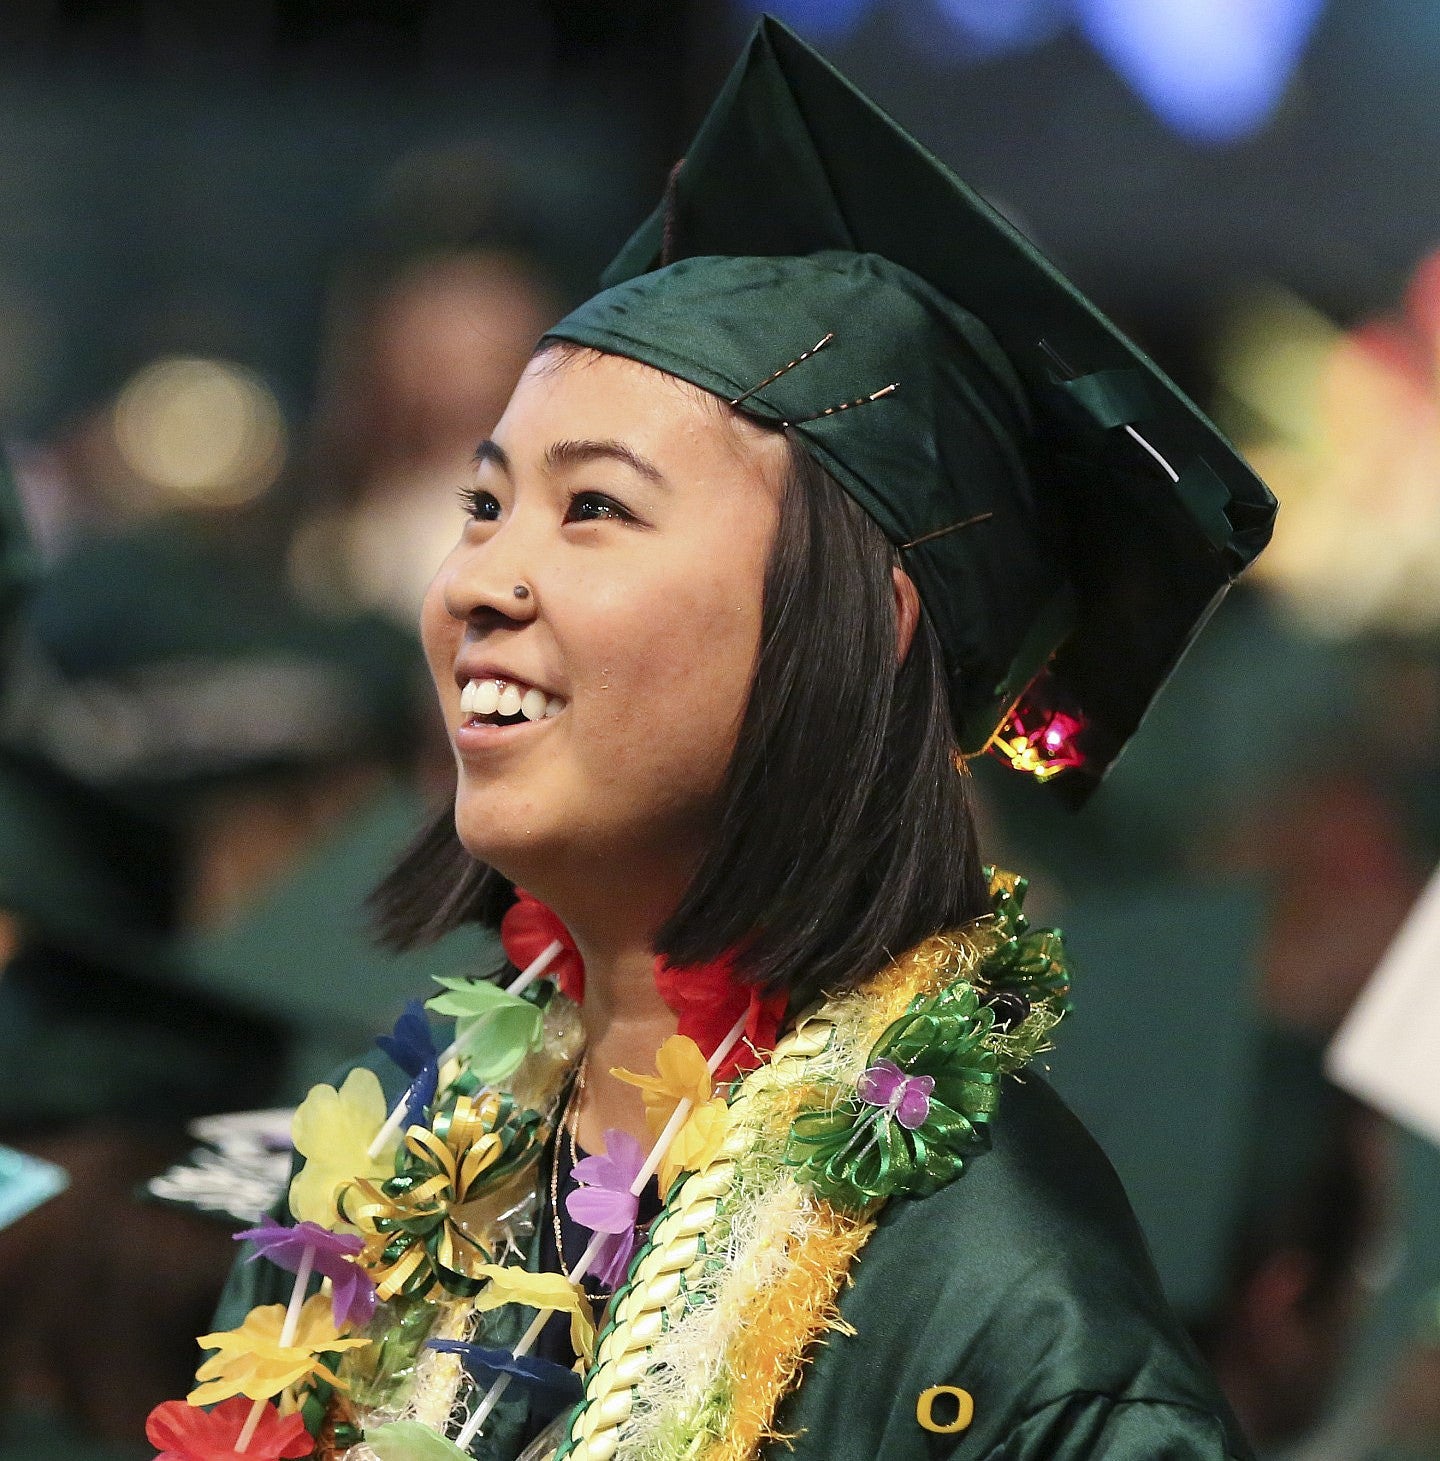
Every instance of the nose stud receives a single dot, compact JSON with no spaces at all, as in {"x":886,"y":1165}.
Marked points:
{"x":521,"y":592}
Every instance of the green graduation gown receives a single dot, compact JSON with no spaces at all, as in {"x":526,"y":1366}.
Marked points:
{"x":1025,"y":1283}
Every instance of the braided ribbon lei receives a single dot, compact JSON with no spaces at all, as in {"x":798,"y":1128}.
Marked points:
{"x":481,"y":1414}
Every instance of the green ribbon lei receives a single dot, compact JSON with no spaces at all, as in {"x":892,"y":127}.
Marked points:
{"x":855,"y":1153}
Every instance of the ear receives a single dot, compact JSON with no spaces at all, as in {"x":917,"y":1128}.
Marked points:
{"x":907,"y":612}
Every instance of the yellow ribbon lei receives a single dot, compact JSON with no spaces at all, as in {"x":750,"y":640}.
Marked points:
{"x":412,"y":1233}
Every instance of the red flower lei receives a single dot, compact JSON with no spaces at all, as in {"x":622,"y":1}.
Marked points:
{"x":707,"y":998}
{"x":528,"y":929}
{"x":185,"y":1432}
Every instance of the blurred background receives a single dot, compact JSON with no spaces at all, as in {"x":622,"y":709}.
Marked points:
{"x":268,"y":270}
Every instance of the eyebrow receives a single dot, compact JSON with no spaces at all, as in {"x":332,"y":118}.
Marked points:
{"x":492,"y":451}
{"x":576,"y":453}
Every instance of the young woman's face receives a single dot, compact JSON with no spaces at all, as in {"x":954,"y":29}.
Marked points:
{"x":635,"y":515}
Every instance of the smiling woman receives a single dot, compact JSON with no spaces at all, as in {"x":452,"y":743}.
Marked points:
{"x":641,"y":522}
{"x":813,"y":657}
{"x":837,"y":484}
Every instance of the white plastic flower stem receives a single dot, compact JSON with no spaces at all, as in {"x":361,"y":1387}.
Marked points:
{"x":491,"y":1399}
{"x":247,"y":1431}
{"x":536,"y":967}
{"x":523,"y":980}
{"x":722,"y":1050}
{"x":288,"y":1331}
{"x":297,"y":1297}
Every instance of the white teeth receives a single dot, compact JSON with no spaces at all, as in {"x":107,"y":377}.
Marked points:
{"x":499,"y":697}
{"x":486,"y":698}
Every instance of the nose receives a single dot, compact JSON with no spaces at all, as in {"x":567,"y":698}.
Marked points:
{"x":489,"y":580}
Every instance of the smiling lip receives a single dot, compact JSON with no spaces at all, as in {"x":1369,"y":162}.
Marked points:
{"x":473,"y":737}
{"x":497,"y":705}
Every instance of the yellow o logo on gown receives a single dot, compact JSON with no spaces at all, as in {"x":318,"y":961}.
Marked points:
{"x":964,"y":1409}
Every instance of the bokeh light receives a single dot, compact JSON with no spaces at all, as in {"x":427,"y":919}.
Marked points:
{"x":207,"y":433}
{"x":1214,"y":70}
{"x":1345,"y":427}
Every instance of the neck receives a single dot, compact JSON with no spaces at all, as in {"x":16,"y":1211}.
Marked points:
{"x":613,"y":922}
{"x":625,"y":1023}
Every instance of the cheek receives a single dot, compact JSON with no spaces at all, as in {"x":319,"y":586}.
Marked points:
{"x":672,"y":690}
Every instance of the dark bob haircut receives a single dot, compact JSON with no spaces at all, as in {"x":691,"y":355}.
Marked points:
{"x":845,"y":833}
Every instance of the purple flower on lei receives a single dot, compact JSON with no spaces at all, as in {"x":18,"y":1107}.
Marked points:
{"x":604,"y":1202}
{"x":905,"y":1097}
{"x":352,"y":1290}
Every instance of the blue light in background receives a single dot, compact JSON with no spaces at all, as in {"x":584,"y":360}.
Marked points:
{"x":816,"y":20}
{"x":1214,"y":70}
{"x":993,"y":27}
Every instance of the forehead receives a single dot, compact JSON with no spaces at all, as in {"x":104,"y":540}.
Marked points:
{"x":568,"y":394}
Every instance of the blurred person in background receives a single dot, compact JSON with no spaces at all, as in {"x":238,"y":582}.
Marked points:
{"x":182,"y":734}
{"x":429,"y":328}
{"x":419,"y":380}
{"x":1316,"y":1206}
{"x":1294,"y":753}
{"x":253,"y":762}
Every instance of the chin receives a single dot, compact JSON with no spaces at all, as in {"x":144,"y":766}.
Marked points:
{"x":507,"y":854}
{"x":489,"y":824}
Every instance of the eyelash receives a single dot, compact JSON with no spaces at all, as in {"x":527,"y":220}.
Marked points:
{"x":482,"y":506}
{"x":609,"y":508}
{"x":476,"y":502}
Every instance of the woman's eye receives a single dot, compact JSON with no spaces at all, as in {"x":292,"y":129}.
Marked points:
{"x":595,"y":506}
{"x":481,"y":505}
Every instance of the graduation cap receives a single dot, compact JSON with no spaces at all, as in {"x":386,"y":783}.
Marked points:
{"x":82,"y":871}
{"x":1068,"y":515}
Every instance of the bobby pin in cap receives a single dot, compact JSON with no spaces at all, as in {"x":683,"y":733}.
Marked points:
{"x":965,"y":522}
{"x":775,"y":375}
{"x":829,"y":410}
{"x":844,"y":405}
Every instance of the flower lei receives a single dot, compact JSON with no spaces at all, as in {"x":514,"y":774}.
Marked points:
{"x":875,"y":1094}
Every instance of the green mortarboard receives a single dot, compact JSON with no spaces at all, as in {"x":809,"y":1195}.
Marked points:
{"x":1060,"y":504}
{"x":82,"y":871}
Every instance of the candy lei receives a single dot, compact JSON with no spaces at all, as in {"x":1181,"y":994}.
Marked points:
{"x":771,"y":1194}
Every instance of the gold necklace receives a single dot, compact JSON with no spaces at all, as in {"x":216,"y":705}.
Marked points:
{"x":568,"y":1123}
